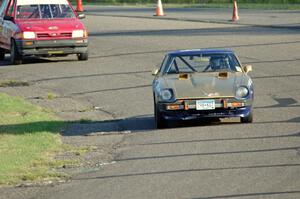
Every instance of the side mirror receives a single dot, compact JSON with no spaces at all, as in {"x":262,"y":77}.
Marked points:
{"x":8,"y":18}
{"x":155,"y":72}
{"x":81,"y":16}
{"x":247,"y":68}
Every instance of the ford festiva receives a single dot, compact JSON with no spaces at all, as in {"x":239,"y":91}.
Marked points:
{"x":192,"y":84}
{"x":41,"y":28}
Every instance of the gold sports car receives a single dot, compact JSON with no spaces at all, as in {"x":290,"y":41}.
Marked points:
{"x":210,"y":83}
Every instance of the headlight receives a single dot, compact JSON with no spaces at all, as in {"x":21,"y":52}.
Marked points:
{"x":166,"y":94}
{"x":241,"y":92}
{"x":29,"y":35}
{"x":78,"y":33}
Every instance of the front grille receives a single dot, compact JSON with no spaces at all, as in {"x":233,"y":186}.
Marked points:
{"x":42,"y":35}
{"x":66,"y":34}
{"x":55,"y":35}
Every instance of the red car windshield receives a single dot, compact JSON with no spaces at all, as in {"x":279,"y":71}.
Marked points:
{"x":44,"y":11}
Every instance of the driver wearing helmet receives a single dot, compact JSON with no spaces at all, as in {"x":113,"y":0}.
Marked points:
{"x":217,"y":63}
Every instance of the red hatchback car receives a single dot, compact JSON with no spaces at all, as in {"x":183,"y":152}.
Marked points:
{"x":41,"y":28}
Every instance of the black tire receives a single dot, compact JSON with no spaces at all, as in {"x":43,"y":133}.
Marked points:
{"x":215,"y":119}
{"x":15,"y":57}
{"x":248,"y":119}
{"x":158,"y":118}
{"x":2,"y":54}
{"x":83,"y":56}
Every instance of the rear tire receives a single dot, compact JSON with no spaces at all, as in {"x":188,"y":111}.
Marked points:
{"x":248,"y":119}
{"x":15,"y":57}
{"x":83,"y":56}
{"x":158,"y":118}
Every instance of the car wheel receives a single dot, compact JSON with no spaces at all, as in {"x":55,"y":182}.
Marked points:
{"x":83,"y":56}
{"x":159,"y":120}
{"x":248,"y":119}
{"x":15,"y":57}
{"x":215,"y":119}
{"x":2,"y":54}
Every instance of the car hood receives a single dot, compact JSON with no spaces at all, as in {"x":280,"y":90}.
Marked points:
{"x":205,"y":85}
{"x":50,"y":25}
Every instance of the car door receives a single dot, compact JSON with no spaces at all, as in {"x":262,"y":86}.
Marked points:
{"x":3,"y":9}
{"x":9,"y":26}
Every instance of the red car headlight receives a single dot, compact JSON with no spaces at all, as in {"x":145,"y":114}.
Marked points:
{"x":77,"y":33}
{"x":28,"y":35}
{"x":25,"y":35}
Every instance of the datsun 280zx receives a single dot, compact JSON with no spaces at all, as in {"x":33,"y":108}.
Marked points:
{"x":193,"y":84}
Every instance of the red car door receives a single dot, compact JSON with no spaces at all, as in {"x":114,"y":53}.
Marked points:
{"x":3,"y":9}
{"x":8,"y":25}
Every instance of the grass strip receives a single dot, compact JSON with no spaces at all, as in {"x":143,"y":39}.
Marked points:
{"x":29,"y":138}
{"x":13,"y":83}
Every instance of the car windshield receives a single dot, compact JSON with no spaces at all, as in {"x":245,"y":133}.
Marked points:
{"x":44,"y":11}
{"x":203,"y":63}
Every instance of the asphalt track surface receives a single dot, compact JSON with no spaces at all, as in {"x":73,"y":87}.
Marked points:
{"x":193,"y":159}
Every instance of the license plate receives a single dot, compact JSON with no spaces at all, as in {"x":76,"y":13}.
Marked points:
{"x":205,"y":104}
{"x":56,"y":52}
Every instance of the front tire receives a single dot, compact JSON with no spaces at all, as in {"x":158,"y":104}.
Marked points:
{"x":248,"y":119}
{"x":83,"y":56}
{"x":15,"y":57}
{"x":158,"y":118}
{"x":2,"y":54}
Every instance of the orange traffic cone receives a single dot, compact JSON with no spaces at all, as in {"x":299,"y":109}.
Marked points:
{"x":79,"y":6}
{"x":235,"y":14}
{"x":159,"y":9}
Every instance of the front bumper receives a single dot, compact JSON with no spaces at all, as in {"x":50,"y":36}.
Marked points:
{"x":217,"y":113}
{"x":52,"y":47}
{"x":186,"y":109}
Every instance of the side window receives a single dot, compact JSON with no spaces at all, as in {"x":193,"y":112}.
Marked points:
{"x":2,"y":8}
